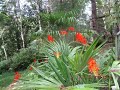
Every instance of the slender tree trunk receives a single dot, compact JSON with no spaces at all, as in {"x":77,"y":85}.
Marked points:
{"x":5,"y":52}
{"x":100,"y":21}
{"x":117,"y":5}
{"x":20,"y":26}
{"x":22,"y":33}
{"x":38,"y":12}
{"x":94,"y":15}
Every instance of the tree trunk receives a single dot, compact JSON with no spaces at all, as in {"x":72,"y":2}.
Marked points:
{"x":5,"y":52}
{"x":38,"y":6}
{"x":100,"y":21}
{"x":94,"y":15}
{"x":20,"y":26}
{"x":22,"y":33}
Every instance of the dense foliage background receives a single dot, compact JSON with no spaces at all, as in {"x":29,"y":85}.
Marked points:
{"x":24,"y":29}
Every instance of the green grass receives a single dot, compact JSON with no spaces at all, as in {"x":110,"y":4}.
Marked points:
{"x":6,"y":79}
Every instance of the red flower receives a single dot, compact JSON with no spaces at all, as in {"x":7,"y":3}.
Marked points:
{"x":34,"y":60}
{"x":57,"y":54}
{"x":71,"y":28}
{"x":30,"y":68}
{"x":63,"y":32}
{"x":50,"y":38}
{"x":17,"y":76}
{"x":93,"y":67}
{"x":80,"y":38}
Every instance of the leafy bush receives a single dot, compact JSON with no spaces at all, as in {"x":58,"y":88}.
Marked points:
{"x":60,"y":19}
{"x":22,"y":59}
{"x":19,"y":61}
{"x":5,"y":79}
{"x":4,"y":65}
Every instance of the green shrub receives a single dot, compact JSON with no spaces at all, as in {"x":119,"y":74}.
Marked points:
{"x":19,"y":61}
{"x":6,"y":78}
{"x":22,"y":59}
{"x":4,"y":65}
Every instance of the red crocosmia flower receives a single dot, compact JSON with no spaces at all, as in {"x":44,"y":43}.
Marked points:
{"x":30,"y":68}
{"x":93,"y":67}
{"x":57,"y":54}
{"x":63,"y":32}
{"x":34,"y":60}
{"x":17,"y":76}
{"x":71,"y":28}
{"x":80,"y":38}
{"x":50,"y":38}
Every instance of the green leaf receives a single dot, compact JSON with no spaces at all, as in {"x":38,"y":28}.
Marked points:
{"x":72,"y":53}
{"x":44,"y":76}
{"x":57,"y":73}
{"x":89,"y":52}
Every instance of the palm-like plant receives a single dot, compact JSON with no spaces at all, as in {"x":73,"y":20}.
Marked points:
{"x":65,"y":68}
{"x":69,"y":67}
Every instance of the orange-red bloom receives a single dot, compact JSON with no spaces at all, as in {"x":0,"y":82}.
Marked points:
{"x":34,"y":60}
{"x":80,"y":38}
{"x":57,"y":54}
{"x":30,"y":68}
{"x":17,"y":76}
{"x":63,"y":32}
{"x":93,"y":67}
{"x":71,"y":28}
{"x":50,"y":38}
